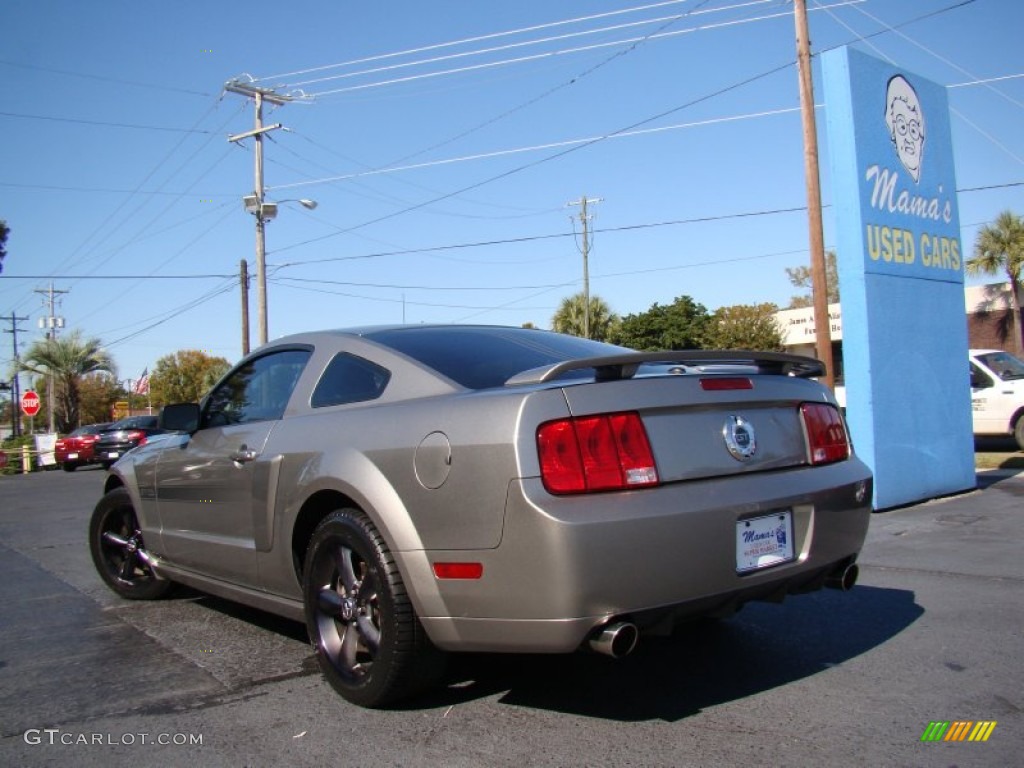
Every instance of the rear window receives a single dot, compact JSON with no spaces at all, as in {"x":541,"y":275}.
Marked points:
{"x":89,"y":429}
{"x":135,"y":422}
{"x":483,"y":357}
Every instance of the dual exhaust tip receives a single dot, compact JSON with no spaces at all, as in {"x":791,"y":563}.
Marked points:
{"x":620,"y":638}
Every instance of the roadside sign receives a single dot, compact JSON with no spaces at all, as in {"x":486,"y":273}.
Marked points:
{"x":30,"y":403}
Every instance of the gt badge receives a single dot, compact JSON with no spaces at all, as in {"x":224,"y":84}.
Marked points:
{"x":739,"y":438}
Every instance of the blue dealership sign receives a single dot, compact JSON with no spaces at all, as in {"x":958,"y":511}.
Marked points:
{"x":901,"y":278}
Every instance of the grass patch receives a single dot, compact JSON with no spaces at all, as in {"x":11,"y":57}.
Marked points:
{"x":999,"y":460}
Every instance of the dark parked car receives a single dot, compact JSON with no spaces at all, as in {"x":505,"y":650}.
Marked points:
{"x":76,"y":450}
{"x":412,"y":490}
{"x":121,"y":436}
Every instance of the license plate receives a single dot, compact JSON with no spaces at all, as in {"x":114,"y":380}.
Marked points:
{"x":72,"y":455}
{"x":113,"y":454}
{"x":764,"y":541}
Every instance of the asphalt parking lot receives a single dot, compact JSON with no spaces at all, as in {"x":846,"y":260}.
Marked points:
{"x":931,"y":633}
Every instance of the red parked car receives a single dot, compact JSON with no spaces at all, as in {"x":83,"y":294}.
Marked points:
{"x":76,"y":449}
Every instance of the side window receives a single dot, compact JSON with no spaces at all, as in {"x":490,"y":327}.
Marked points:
{"x":979,"y":379}
{"x":257,"y":391}
{"x":350,"y":379}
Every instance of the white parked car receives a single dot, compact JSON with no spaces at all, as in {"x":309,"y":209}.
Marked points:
{"x":997,"y":394}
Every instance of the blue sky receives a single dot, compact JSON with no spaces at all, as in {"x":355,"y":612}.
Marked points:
{"x":443,"y":145}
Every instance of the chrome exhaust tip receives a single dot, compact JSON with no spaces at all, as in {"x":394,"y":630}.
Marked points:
{"x":615,"y":640}
{"x":843,"y":578}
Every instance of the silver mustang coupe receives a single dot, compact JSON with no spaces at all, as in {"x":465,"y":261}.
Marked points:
{"x":411,"y":490}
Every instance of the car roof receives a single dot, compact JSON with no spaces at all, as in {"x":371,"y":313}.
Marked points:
{"x":369,"y":330}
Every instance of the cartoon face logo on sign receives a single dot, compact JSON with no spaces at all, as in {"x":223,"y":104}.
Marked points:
{"x":905,"y":119}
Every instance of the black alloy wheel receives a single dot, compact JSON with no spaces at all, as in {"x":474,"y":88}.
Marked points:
{"x":118,"y":551}
{"x":368,"y":641}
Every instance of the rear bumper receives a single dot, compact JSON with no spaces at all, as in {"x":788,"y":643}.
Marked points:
{"x":567,"y":565}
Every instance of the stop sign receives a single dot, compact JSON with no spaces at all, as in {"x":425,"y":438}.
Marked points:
{"x":30,"y":403}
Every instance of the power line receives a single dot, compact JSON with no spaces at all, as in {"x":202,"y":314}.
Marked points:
{"x":173,"y":313}
{"x":103,"y":226}
{"x":563,"y":52}
{"x":550,"y":91}
{"x":150,"y":86}
{"x":555,"y":156}
{"x":985,"y":80}
{"x":115,"y":277}
{"x":663,"y":20}
{"x":538,"y":147}
{"x":721,"y":91}
{"x":464,"y":246}
{"x":56,"y":188}
{"x":941,"y":58}
{"x":100,"y":122}
{"x":475,"y":39}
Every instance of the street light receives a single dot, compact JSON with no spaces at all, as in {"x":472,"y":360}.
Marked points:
{"x":265,"y":211}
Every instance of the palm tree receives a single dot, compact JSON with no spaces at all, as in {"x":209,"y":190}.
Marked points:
{"x":570,"y":317}
{"x":1000,"y":247}
{"x":65,"y":361}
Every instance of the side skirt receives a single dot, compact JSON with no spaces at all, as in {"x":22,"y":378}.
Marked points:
{"x":264,"y":601}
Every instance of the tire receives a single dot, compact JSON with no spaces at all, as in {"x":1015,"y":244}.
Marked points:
{"x":1018,"y":432}
{"x":118,"y":551}
{"x":368,"y":641}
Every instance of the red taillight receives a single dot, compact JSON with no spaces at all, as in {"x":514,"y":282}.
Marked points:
{"x":595,"y":453}
{"x":136,"y":436}
{"x":826,"y":436}
{"x":458,"y":570}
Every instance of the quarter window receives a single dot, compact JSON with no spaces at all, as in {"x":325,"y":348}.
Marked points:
{"x":350,"y":379}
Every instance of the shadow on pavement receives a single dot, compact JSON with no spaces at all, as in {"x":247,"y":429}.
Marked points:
{"x":702,"y":665}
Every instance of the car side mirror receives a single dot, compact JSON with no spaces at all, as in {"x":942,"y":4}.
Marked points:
{"x":179,"y":417}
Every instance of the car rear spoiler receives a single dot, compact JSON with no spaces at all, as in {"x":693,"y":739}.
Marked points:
{"x":625,"y":366}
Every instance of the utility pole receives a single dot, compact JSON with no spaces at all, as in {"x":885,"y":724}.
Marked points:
{"x":254,"y":203}
{"x":243,"y":280}
{"x":50,"y":324}
{"x":819,"y":284}
{"x":585,"y":250}
{"x":15,"y":393}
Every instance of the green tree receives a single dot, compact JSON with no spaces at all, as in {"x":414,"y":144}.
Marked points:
{"x":800,"y":277}
{"x":185,"y":376}
{"x":570,"y":317}
{"x":67,"y":360}
{"x":745,"y":326}
{"x":97,"y":395}
{"x":999,"y":247}
{"x":679,"y":325}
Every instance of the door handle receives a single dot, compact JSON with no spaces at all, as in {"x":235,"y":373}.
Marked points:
{"x":243,"y":454}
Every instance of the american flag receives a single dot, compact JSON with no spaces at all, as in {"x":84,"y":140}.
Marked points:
{"x":142,"y":383}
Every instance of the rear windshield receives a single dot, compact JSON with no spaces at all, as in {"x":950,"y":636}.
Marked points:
{"x":483,"y":357}
{"x":134,"y":422}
